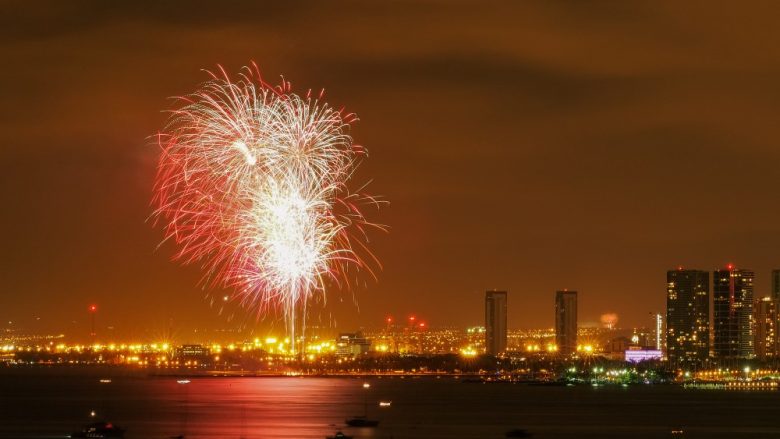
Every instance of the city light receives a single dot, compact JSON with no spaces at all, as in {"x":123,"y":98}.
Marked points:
{"x":526,"y":350}
{"x":469,"y":352}
{"x":587,"y":348}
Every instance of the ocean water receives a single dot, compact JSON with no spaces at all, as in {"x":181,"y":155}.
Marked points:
{"x":54,"y":404}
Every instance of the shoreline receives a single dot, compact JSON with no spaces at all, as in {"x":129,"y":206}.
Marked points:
{"x":99,"y":372}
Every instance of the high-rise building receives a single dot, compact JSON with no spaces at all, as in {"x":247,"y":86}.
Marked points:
{"x":687,"y":315}
{"x":775,"y":295}
{"x":495,"y":322}
{"x":566,"y":321}
{"x":766,"y":328}
{"x":733,"y":306}
{"x":659,"y":331}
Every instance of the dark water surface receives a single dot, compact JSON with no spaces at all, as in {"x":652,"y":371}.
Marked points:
{"x":37,"y":405}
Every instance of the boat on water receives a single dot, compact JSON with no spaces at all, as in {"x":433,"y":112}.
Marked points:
{"x":338,"y":435}
{"x":517,"y":432}
{"x":99,"y":430}
{"x":361,"y":421}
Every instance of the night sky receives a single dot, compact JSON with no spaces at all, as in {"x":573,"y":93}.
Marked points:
{"x":534,"y":147}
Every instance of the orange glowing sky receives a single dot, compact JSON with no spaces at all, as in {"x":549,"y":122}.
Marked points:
{"x":526,"y":147}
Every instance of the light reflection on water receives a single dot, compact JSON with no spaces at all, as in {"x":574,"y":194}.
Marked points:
{"x":42,"y":405}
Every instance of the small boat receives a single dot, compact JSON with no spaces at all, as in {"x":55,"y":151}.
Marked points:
{"x":517,"y":432}
{"x":100,"y":430}
{"x":678,"y":432}
{"x":385,"y":403}
{"x":338,"y":435}
{"x":361,"y":421}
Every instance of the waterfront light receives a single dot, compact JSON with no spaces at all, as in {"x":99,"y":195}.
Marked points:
{"x":468,"y":352}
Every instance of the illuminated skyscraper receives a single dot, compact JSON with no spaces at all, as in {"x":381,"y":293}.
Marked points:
{"x":687,"y":315}
{"x":566,"y":321}
{"x":495,"y":322}
{"x":775,"y":295}
{"x":659,"y":331}
{"x":766,"y":328}
{"x":733,"y":299}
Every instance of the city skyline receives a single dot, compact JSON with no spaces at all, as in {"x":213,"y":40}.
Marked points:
{"x":742,"y":327}
{"x":85,"y":320}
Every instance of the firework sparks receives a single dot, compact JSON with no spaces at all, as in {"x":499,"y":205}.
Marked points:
{"x":252,"y":185}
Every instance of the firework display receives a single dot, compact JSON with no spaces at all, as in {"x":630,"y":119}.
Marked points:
{"x":252,"y":186}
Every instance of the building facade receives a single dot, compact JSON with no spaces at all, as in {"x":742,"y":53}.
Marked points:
{"x":192,"y":355}
{"x":733,"y":308}
{"x":660,"y":339}
{"x":687,"y":315}
{"x":495,"y":322}
{"x":775,"y":295}
{"x":566,"y":321}
{"x":352,"y":344}
{"x":766,"y":328}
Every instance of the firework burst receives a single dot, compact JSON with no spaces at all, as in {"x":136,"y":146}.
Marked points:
{"x":252,"y":186}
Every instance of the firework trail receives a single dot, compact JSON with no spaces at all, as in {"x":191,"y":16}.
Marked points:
{"x":252,"y":186}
